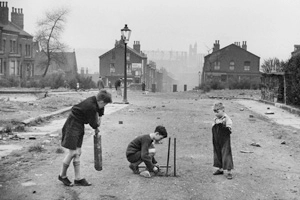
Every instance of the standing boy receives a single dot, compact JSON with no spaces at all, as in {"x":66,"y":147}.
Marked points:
{"x":138,"y":150}
{"x":89,"y":112}
{"x":221,"y":131}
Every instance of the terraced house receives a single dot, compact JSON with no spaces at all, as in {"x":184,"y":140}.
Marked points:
{"x":16,"y":45}
{"x":231,"y":64}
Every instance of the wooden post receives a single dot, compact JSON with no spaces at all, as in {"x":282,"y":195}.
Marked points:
{"x":174,"y":156}
{"x":168,"y":157}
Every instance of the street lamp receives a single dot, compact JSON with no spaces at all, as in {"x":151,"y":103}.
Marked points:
{"x":125,"y":37}
{"x":199,"y":78}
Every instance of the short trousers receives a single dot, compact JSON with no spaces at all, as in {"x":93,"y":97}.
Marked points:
{"x":72,"y":134}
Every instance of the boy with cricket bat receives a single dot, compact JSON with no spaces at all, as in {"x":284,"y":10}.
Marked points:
{"x":89,"y":112}
{"x":141,"y":150}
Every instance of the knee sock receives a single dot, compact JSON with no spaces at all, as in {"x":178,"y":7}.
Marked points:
{"x":76,"y":165}
{"x":64,"y":170}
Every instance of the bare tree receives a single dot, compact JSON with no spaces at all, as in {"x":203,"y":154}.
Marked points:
{"x":48,"y":36}
{"x":272,"y":65}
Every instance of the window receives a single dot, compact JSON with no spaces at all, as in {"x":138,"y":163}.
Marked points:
{"x":1,"y":67}
{"x":128,"y":57}
{"x":14,"y":47}
{"x":137,"y":73}
{"x":20,"y":49}
{"x":217,"y":65}
{"x":27,"y":49}
{"x":231,"y":65}
{"x":3,"y":45}
{"x":223,"y":78}
{"x":29,"y":70}
{"x":112,"y":68}
{"x":18,"y":68}
{"x":129,"y":68}
{"x":12,"y":67}
{"x":247,"y":65}
{"x":11,"y":46}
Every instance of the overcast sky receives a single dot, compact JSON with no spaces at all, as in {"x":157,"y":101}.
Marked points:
{"x":270,"y":27}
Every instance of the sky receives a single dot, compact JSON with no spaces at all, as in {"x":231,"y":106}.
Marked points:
{"x":270,"y":27}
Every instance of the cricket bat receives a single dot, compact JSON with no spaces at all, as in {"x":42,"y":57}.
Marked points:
{"x":97,"y":151}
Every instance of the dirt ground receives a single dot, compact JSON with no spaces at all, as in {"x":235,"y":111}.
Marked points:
{"x":270,"y":171}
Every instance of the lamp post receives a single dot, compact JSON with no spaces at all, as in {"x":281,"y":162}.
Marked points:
{"x":125,"y":37}
{"x":199,"y":78}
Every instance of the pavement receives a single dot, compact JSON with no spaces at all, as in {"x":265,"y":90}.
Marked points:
{"x":50,"y":129}
{"x":277,"y":113}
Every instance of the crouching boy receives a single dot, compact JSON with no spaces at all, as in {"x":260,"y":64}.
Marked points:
{"x":138,"y":150}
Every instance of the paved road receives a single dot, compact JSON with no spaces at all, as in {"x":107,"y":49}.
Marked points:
{"x":280,"y":116}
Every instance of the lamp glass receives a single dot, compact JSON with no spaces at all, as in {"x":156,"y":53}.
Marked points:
{"x":126,"y":33}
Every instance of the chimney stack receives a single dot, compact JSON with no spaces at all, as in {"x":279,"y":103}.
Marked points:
{"x":244,"y":46}
{"x":17,"y":17}
{"x":216,"y":46}
{"x":3,"y":13}
{"x":137,"y":46}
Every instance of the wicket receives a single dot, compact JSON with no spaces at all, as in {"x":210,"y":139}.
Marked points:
{"x":168,"y":157}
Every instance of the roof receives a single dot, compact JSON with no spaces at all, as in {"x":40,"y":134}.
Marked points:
{"x":229,"y":46}
{"x":128,"y":48}
{"x":11,"y":27}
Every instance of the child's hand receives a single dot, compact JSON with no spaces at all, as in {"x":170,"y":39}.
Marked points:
{"x":157,"y":165}
{"x":155,"y":169}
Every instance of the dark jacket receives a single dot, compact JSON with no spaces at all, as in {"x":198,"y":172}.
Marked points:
{"x":86,"y":112}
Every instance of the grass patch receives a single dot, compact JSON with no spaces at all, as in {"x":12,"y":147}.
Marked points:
{"x":20,"y":128}
{"x":36,"y":148}
{"x":59,"y":150}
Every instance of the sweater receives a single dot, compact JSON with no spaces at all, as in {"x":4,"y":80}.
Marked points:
{"x":86,"y":112}
{"x":142,"y":143}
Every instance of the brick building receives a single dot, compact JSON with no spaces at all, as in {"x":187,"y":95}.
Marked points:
{"x":231,"y":63}
{"x":16,"y":45}
{"x":111,"y":63}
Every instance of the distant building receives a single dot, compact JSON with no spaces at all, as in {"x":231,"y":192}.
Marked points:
{"x":16,"y":45}
{"x":65,"y":63}
{"x":111,"y":63}
{"x":232,"y":62}
{"x":296,"y":50}
{"x":184,"y":66}
{"x":95,"y":76}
